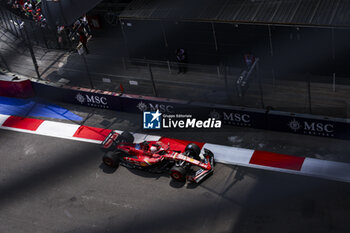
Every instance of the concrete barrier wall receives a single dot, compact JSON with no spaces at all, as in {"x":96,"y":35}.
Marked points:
{"x":234,"y":116}
{"x":18,"y":89}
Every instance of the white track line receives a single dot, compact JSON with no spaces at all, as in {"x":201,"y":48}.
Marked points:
{"x":230,"y":155}
{"x":326,"y":169}
{"x":53,"y":129}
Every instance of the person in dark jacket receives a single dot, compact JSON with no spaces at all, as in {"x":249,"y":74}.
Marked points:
{"x":249,"y":60}
{"x":83,"y":40}
{"x":181,"y":58}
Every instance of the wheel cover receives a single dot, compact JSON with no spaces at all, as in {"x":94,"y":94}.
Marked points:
{"x":176,"y":175}
{"x":108,"y":162}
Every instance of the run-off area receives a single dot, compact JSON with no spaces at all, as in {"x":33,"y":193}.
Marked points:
{"x":55,"y":185}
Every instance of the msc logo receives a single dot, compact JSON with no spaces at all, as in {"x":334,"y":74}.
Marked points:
{"x":154,"y":107}
{"x":152,"y":120}
{"x":92,"y":100}
{"x":312,"y":128}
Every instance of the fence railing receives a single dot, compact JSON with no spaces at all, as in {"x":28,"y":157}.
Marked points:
{"x":229,"y":85}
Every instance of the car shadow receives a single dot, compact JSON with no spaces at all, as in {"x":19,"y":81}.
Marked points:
{"x":174,"y":184}
{"x":106,"y":169}
{"x":147,"y":174}
{"x":177,"y":184}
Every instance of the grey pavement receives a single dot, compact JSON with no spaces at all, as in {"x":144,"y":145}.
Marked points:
{"x":108,"y":66}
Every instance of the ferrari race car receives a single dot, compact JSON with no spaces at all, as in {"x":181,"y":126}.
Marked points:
{"x":157,"y":157}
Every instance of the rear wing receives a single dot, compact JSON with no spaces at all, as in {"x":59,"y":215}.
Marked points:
{"x":110,"y":142}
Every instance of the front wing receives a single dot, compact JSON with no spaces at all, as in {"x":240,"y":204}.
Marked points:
{"x":202,"y":173}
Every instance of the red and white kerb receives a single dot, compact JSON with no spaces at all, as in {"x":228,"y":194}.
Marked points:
{"x":224,"y":154}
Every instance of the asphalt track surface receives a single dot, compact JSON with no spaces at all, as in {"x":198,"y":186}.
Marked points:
{"x":57,"y":185}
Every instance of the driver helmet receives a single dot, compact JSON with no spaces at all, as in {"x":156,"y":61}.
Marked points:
{"x":154,"y":148}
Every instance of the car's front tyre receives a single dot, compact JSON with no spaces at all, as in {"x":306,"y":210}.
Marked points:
{"x":178,"y":173}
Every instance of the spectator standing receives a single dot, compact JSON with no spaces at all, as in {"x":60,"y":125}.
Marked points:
{"x":249,"y":60}
{"x":85,"y":23}
{"x":181,"y":58}
{"x":83,"y":40}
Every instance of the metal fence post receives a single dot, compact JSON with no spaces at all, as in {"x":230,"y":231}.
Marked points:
{"x":334,"y":58}
{"x":152,"y":80}
{"x":214,"y":36}
{"x":164,"y":35}
{"x":169,"y":66}
{"x":272,"y":56}
{"x":309,"y":92}
{"x":86,"y":67}
{"x":27,"y":39}
{"x":227,"y":85}
{"x":124,"y":37}
{"x":260,"y":85}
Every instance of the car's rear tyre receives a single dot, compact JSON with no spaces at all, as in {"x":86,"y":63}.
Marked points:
{"x":178,"y":173}
{"x":193,"y":150}
{"x":111,"y":159}
{"x":127,"y":137}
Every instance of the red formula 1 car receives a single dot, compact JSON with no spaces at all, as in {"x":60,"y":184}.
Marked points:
{"x":154,"y":156}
